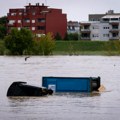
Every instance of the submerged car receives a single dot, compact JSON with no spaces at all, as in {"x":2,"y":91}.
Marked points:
{"x":24,"y":89}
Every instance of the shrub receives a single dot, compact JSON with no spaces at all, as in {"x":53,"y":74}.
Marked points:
{"x":58,"y":36}
{"x":44,"y":45}
{"x":2,"y":47}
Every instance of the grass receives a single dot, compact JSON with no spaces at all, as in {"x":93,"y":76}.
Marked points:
{"x":80,"y":48}
{"x":85,"y":48}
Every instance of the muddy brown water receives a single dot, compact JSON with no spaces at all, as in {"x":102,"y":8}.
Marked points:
{"x":61,"y":106}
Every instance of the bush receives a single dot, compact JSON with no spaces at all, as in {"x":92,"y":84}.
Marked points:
{"x":58,"y":37}
{"x":44,"y":45}
{"x":2,"y":47}
{"x":71,"y":36}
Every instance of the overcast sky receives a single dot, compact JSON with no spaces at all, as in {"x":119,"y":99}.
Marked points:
{"x":76,"y":10}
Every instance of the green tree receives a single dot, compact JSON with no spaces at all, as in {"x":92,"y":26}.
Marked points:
{"x":3,"y":29}
{"x":66,"y":37}
{"x":44,"y":45}
{"x":58,"y":37}
{"x":19,"y":41}
{"x":73,"y":36}
{"x":3,"y":20}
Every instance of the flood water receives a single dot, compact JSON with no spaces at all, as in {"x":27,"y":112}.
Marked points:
{"x":61,"y":106}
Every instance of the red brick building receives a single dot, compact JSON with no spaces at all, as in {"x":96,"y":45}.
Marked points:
{"x":39,"y":19}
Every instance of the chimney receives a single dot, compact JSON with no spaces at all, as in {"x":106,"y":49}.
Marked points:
{"x":37,"y":4}
{"x":110,"y":12}
{"x":29,"y":4}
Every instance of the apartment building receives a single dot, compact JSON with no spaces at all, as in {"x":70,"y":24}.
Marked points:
{"x":97,"y":17}
{"x":73,"y":27}
{"x":40,"y":19}
{"x":102,"y":28}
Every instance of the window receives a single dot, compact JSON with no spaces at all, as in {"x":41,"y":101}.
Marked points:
{"x":95,"y":27}
{"x":73,"y":28}
{"x":115,"y":34}
{"x":19,"y":21}
{"x":114,"y":26}
{"x":13,"y":14}
{"x":41,"y":27}
{"x":114,"y":19}
{"x":33,"y":28}
{"x":25,"y":13}
{"x":39,"y":35}
{"x":33,"y":13}
{"x":19,"y":28}
{"x":11,"y":22}
{"x":105,"y":27}
{"x":105,"y":35}
{"x":20,"y":13}
{"x":41,"y":19}
{"x":106,"y":19}
{"x":27,"y":20}
{"x":86,"y":27}
{"x":33,"y":21}
{"x":95,"y":35}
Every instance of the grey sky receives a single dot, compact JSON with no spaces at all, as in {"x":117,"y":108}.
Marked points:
{"x":76,"y":10}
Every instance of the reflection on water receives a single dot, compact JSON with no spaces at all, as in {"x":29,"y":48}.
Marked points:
{"x":61,"y":106}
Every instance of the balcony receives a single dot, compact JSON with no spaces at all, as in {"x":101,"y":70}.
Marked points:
{"x":114,"y":22}
{"x":85,"y":38}
{"x":114,"y":30}
{"x":115,"y":38}
{"x":26,"y":23}
{"x":85,"y":30}
{"x":11,"y":24}
{"x":40,"y":23}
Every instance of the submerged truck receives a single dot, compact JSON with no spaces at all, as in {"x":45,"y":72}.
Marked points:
{"x":71,"y":84}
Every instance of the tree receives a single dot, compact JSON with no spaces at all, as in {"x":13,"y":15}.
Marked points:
{"x":3,"y":20}
{"x":3,"y":29}
{"x":73,"y":36}
{"x":66,"y":37}
{"x":44,"y":45}
{"x":18,"y":41}
{"x":58,"y":37}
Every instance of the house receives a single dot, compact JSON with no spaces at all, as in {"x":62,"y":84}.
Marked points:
{"x":40,"y":19}
{"x":101,"y":27}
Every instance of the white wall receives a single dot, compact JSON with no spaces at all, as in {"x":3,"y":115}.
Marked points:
{"x":100,"y":31}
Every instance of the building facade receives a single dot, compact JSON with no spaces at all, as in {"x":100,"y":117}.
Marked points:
{"x":39,"y":19}
{"x":101,"y":27}
{"x":73,"y":27}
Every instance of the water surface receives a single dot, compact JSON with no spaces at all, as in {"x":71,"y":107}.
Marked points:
{"x":64,"y":106}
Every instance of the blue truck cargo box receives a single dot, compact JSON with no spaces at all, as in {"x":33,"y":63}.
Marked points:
{"x":71,"y":84}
